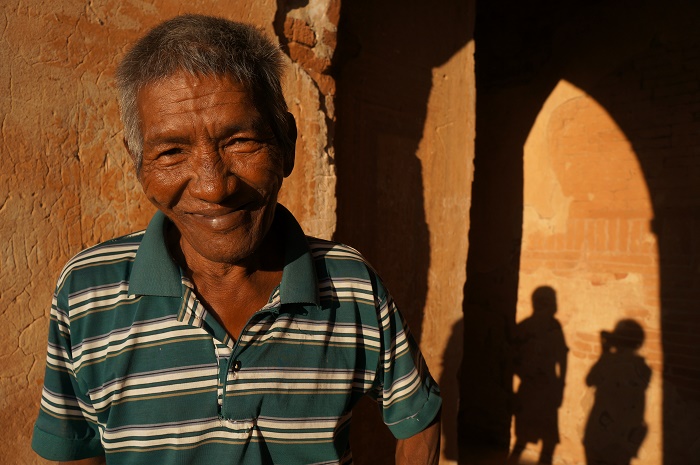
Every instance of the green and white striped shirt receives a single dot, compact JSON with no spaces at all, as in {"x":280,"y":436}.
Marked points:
{"x":137,"y":369}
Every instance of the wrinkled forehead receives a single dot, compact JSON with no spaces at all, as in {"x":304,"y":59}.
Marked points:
{"x":188,"y":91}
{"x":181,"y":79}
{"x":184,"y":101}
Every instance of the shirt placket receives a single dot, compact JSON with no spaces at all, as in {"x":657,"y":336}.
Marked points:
{"x":223,"y":356}
{"x":236,"y":362}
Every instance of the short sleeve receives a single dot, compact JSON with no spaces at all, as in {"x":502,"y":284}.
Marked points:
{"x":407,"y":395}
{"x":66,"y":428}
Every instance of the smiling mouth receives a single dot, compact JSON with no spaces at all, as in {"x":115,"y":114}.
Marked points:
{"x":221,"y":220}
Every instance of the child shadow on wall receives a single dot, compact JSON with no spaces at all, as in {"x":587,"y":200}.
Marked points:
{"x":616,"y":428}
{"x":539,"y":362}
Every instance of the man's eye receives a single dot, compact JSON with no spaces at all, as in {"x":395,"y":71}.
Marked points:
{"x":244,"y":145}
{"x":172,"y":151}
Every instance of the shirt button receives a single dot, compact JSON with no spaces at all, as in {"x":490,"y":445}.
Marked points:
{"x":237,"y":365}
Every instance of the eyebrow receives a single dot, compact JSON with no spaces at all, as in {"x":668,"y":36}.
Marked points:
{"x":167,"y":136}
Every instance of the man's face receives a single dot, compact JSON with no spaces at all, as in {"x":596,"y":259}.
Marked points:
{"x":210,"y":163}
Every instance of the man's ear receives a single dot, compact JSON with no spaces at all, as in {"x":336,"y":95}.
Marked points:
{"x":292,"y":135}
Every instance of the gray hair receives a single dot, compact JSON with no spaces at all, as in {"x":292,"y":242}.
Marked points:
{"x":207,"y":46}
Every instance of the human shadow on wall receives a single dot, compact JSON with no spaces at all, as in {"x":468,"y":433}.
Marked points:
{"x":640,"y":61}
{"x":540,"y":356}
{"x":383,"y":68}
{"x":616,"y":428}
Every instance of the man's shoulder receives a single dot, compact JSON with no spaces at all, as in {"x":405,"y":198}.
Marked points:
{"x":339,"y":256}
{"x":322,"y":249}
{"x":112,"y":255}
{"x":108,"y":250}
{"x":345,"y":266}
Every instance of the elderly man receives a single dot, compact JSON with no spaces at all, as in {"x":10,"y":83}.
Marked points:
{"x":221,"y":334}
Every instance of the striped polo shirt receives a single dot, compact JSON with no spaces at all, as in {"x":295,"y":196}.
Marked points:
{"x":139,"y":370}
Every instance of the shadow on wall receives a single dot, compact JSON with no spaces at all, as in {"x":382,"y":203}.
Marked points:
{"x":484,"y":416}
{"x":284,"y":7}
{"x":540,"y":355}
{"x":448,"y":388}
{"x":383,"y":68}
{"x":641,"y":62}
{"x":616,"y":427}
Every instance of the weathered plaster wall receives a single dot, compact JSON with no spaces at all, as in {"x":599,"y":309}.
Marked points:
{"x":65,"y":179}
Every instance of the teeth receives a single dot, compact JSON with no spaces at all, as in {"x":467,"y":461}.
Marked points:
{"x":215,"y":214}
{"x":220,"y":220}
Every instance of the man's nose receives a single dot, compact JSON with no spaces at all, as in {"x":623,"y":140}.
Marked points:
{"x":212,"y":181}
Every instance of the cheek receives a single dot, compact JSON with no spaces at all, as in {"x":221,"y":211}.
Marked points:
{"x":160,"y":186}
{"x":264,"y":177}
{"x":270,"y":186}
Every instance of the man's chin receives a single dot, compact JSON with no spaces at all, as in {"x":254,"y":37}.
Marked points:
{"x":231,"y":240}
{"x":224,"y":249}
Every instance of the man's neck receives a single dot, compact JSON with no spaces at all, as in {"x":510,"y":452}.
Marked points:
{"x":232,"y":291}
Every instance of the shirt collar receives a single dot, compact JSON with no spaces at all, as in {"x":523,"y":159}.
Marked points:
{"x":299,"y":280}
{"x":155,"y":272}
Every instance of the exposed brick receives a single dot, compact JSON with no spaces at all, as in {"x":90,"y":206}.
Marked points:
{"x":333,"y":12}
{"x":330,"y":38}
{"x":296,"y":30}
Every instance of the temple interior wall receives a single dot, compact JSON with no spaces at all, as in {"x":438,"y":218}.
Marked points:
{"x":574,"y":252}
